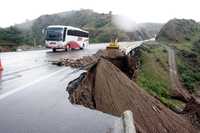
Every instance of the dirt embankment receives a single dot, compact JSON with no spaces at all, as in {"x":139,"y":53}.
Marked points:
{"x":87,"y":60}
{"x":126,"y":64}
{"x":192,"y":112}
{"x":107,"y":87}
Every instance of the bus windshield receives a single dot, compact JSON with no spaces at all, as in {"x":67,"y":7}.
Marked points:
{"x":54,"y":34}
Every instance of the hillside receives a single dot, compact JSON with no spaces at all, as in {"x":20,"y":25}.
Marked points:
{"x":178,"y":30}
{"x":181,"y":39}
{"x":184,"y":36}
{"x":100,"y":25}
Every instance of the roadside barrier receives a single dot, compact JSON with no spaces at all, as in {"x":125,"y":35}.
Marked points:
{"x":128,"y":122}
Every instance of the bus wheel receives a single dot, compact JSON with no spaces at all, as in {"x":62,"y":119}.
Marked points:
{"x":81,"y":48}
{"x":67,"y":48}
{"x":54,"y":50}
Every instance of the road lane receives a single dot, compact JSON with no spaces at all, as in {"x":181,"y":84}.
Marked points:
{"x":33,"y":97}
{"x":43,"y":108}
{"x":21,"y":88}
{"x":23,"y":67}
{"x":13,"y":61}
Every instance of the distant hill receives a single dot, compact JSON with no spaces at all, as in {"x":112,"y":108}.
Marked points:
{"x":100,"y":26}
{"x":179,"y":30}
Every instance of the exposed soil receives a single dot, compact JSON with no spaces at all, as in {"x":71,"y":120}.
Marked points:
{"x":126,"y":64}
{"x":87,"y":60}
{"x":192,"y":111}
{"x":107,"y":87}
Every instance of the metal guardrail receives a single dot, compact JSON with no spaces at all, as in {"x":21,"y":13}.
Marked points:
{"x":128,"y":48}
{"x":128,"y":122}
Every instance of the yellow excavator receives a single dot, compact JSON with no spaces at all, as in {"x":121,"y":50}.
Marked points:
{"x":114,"y":43}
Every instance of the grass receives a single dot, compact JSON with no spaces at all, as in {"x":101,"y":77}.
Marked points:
{"x":188,"y":67}
{"x":153,"y":74}
{"x":188,"y":63}
{"x":186,"y":46}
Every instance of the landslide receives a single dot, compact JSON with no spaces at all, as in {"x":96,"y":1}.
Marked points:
{"x":87,"y":60}
{"x":127,"y":64}
{"x":179,"y":30}
{"x":192,"y":112}
{"x":106,"y":88}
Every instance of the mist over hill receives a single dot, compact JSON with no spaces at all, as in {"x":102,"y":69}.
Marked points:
{"x":100,"y":25}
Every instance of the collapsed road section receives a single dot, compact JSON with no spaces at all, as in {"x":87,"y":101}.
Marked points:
{"x":108,"y":86}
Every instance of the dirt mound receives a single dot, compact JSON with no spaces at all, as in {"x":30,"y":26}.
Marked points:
{"x":192,"y":111}
{"x":106,"y":88}
{"x":87,"y":60}
{"x":127,"y":64}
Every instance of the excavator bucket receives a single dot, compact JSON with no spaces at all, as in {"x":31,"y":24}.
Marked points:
{"x":113,"y":45}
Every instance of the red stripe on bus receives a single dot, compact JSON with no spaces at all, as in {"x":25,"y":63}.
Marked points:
{"x":73,"y":44}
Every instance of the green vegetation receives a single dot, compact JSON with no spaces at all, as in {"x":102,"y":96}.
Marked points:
{"x":153,"y":74}
{"x":188,"y":64}
{"x":11,"y":35}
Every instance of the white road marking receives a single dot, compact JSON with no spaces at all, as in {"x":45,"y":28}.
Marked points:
{"x":9,"y":93}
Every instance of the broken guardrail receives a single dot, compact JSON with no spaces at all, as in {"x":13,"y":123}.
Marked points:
{"x":134,"y":45}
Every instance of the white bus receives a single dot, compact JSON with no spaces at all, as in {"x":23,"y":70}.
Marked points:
{"x":66,"y":37}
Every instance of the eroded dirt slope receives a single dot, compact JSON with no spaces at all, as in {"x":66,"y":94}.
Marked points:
{"x":106,"y":88}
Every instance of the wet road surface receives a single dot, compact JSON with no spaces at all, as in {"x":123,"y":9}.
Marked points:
{"x":33,"y":97}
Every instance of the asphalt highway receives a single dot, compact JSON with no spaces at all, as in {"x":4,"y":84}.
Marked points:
{"x":33,"y":97}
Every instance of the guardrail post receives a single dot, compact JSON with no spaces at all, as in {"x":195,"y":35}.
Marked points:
{"x":128,"y":123}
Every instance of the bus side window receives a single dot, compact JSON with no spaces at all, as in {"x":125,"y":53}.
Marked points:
{"x":64,"y":34}
{"x":85,"y":34}
{"x":70,"y":32}
{"x":78,"y":33}
{"x":82,"y":34}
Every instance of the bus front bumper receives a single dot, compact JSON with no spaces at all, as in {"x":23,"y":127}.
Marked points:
{"x":54,"y":46}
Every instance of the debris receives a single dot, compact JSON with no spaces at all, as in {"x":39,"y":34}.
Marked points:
{"x":93,"y":59}
{"x":58,"y":63}
{"x":126,"y":64}
{"x":192,"y":111}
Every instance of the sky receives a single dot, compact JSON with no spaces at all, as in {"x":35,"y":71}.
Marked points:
{"x":18,"y":11}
